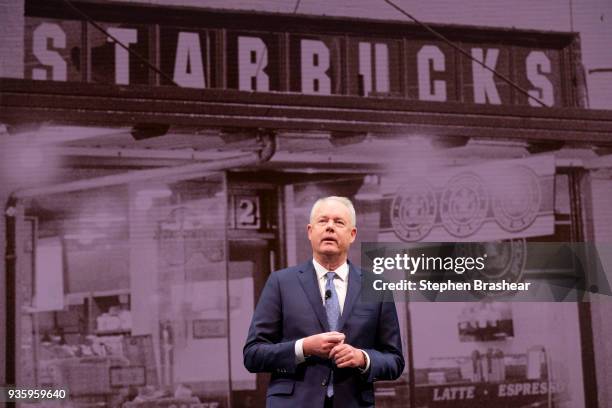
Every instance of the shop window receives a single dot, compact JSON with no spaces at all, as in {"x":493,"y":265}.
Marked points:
{"x":127,"y":304}
{"x":492,"y":354}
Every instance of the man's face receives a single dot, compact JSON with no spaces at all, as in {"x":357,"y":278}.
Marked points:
{"x":331,"y":231}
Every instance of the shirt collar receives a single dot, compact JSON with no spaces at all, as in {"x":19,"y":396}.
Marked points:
{"x":342,"y":271}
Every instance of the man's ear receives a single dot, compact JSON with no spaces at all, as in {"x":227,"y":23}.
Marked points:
{"x":309,"y":230}
{"x":353,"y":235}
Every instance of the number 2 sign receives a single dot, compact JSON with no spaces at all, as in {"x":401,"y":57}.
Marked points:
{"x":247,"y":212}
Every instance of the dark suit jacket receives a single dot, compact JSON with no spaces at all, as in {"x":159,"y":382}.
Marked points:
{"x":290,"y":308}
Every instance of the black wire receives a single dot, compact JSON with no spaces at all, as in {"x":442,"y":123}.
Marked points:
{"x":465,"y":53}
{"x":297,"y":6}
{"x":132,"y":52}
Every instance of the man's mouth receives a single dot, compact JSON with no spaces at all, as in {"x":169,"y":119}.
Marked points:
{"x":329,"y":240}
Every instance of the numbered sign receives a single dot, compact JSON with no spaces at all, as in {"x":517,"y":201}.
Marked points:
{"x":247,"y":212}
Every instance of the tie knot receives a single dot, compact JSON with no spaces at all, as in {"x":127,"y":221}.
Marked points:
{"x":331,"y":275}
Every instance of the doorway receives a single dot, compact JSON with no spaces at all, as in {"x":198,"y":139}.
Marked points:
{"x":250,"y":263}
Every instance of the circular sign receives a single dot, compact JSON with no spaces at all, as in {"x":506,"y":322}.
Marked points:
{"x":413,"y":212}
{"x":464,"y":204}
{"x":517,"y":200}
{"x":503,"y":260}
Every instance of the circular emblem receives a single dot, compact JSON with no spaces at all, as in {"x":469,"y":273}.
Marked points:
{"x":517,"y":199}
{"x":503,"y":261}
{"x":464,"y":204}
{"x":413,"y":212}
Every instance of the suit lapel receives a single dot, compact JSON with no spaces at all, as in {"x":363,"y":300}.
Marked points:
{"x":308,"y":280}
{"x":352,"y":293}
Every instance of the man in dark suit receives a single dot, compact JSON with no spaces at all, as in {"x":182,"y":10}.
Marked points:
{"x":323,"y":346}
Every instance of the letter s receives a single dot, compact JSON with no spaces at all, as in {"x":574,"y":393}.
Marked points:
{"x":46,"y":56}
{"x":538,"y":64}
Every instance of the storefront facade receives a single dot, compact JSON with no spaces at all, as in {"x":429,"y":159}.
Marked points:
{"x":150,"y":194}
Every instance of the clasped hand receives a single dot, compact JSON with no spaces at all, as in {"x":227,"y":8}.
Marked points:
{"x":331,"y":345}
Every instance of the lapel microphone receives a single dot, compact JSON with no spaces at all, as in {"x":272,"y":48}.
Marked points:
{"x":327,"y":294}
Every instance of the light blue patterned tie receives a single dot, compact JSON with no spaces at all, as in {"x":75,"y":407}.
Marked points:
{"x":332,"y":307}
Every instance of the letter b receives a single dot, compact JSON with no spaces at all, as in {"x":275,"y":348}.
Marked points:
{"x":315,"y":63}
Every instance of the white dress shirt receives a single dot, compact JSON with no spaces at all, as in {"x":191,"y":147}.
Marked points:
{"x":341,"y":286}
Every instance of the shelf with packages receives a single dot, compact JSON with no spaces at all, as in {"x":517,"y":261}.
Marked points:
{"x":100,"y":371}
{"x":104,"y":312}
{"x":78,"y":345}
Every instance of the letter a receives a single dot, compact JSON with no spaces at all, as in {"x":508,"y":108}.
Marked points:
{"x":188,"y":70}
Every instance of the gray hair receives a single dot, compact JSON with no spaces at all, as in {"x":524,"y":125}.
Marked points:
{"x":343,"y":200}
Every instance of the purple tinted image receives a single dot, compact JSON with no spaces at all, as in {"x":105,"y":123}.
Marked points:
{"x":160,"y":161}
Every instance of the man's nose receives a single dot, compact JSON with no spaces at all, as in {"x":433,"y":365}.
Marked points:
{"x":330,"y":225}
